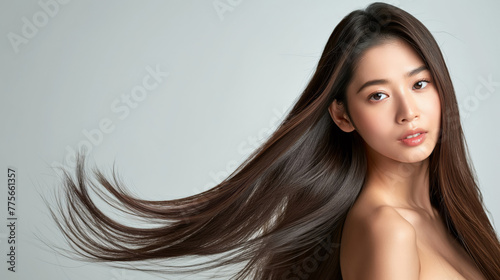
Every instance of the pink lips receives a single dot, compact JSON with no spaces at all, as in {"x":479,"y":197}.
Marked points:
{"x":411,"y":132}
{"x":414,"y":141}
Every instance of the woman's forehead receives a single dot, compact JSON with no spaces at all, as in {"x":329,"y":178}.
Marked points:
{"x":391,"y":59}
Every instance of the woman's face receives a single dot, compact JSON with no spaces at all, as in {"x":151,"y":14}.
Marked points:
{"x":387,"y":97}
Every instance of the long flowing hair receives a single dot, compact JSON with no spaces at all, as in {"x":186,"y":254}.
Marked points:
{"x":280,"y":213}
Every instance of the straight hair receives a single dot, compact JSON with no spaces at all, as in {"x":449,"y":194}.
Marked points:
{"x":280,"y":213}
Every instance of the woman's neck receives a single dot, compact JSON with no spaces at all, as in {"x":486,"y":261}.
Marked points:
{"x":400,"y":184}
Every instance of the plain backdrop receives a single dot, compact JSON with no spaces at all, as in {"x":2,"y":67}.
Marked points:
{"x":178,"y":93}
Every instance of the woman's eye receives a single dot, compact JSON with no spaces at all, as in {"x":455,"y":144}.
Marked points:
{"x":376,"y":96}
{"x":419,"y":83}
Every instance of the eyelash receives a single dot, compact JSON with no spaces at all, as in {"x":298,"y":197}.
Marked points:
{"x":421,"y":80}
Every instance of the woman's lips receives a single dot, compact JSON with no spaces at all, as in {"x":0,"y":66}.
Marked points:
{"x":414,"y":141}
{"x":412,"y":132}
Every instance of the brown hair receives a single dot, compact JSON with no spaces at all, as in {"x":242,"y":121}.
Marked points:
{"x":281,"y":212}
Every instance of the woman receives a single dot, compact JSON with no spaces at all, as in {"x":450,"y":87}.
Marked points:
{"x":367,"y":177}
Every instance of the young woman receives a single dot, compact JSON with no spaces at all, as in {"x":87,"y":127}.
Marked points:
{"x":367,"y":177}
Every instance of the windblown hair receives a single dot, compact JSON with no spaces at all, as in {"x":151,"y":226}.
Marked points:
{"x":280,"y":213}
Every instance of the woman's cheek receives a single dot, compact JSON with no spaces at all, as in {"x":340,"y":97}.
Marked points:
{"x":373,"y":126}
{"x":435,"y":116}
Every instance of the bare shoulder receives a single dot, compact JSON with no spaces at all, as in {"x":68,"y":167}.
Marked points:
{"x":379,"y":244}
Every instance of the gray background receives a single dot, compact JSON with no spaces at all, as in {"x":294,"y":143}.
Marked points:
{"x":231,"y":77}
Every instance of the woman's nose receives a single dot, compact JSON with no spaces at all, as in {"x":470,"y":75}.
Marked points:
{"x":407,"y":109}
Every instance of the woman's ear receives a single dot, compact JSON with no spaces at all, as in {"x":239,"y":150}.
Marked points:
{"x":339,"y":116}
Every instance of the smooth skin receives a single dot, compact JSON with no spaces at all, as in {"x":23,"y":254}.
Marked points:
{"x":392,"y":232}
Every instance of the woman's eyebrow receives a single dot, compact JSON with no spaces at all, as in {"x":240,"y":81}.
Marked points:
{"x":384,"y":81}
